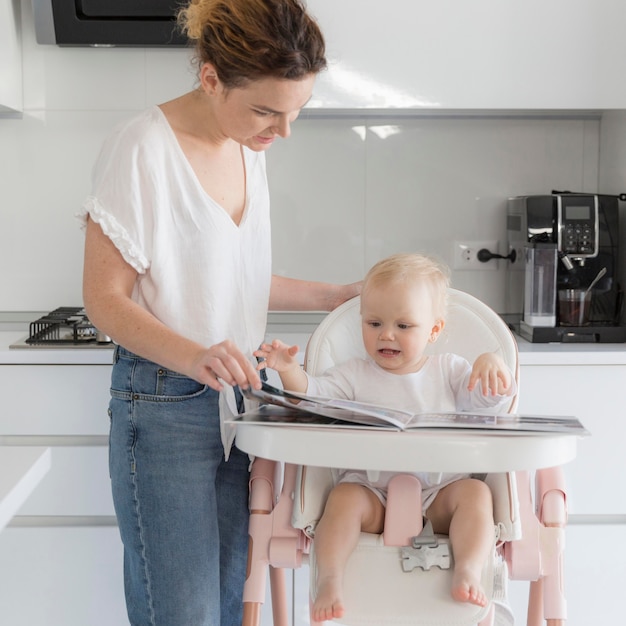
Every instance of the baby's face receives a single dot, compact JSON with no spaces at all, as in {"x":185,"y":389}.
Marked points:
{"x":398,"y":323}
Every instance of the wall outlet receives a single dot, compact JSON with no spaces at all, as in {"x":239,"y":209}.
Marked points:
{"x":466,"y":255}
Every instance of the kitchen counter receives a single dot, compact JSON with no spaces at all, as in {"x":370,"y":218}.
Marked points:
{"x":570,"y":354}
{"x":49,"y":356}
{"x":529,"y":353}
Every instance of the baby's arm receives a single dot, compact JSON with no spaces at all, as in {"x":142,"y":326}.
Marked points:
{"x":492,"y":373}
{"x":282,"y":358}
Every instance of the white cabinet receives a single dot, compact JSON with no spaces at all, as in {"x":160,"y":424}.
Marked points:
{"x":11,"y":98}
{"x":484,"y":54}
{"x":595,"y":394}
{"x":55,"y":400}
{"x":61,"y":557}
{"x":595,"y":551}
{"x":595,"y":570}
{"x":61,"y":576}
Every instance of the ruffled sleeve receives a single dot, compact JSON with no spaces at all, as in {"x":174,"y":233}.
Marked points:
{"x":124,"y":195}
{"x":115,"y":232}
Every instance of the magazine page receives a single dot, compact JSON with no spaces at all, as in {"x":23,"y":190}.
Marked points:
{"x":300,"y":408}
{"x":347,"y":410}
{"x":276,"y":415}
{"x":509,"y":422}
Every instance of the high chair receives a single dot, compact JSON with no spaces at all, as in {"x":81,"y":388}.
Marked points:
{"x":286,"y":502}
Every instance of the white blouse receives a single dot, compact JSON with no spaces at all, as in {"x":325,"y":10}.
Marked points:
{"x":199,"y":273}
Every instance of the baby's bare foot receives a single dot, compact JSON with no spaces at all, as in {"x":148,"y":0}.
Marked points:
{"x":328,"y":603}
{"x":466,"y":587}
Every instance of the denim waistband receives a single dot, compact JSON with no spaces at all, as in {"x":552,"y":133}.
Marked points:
{"x":119,"y":352}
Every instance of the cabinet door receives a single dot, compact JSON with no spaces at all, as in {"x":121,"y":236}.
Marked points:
{"x":61,"y":576}
{"x":11,"y":99}
{"x":484,"y":54}
{"x":77,"y":484}
{"x":70,"y":577}
{"x":54,"y":399}
{"x":595,"y":571}
{"x":595,"y":394}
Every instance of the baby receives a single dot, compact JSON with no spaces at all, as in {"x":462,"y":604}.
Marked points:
{"x":403,"y":305}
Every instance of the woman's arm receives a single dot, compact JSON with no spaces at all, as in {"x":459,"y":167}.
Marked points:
{"x":291,"y":294}
{"x":108,"y":283}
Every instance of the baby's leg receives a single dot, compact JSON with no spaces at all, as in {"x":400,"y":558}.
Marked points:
{"x":464,"y":510}
{"x":350,"y":509}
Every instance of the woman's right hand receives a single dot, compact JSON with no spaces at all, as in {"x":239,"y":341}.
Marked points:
{"x":224,"y":363}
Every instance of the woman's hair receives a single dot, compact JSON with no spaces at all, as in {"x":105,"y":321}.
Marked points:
{"x":411,"y":268}
{"x":247,"y":40}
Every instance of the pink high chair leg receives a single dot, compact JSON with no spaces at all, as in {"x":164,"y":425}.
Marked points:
{"x":546,"y":595}
{"x":538,"y":555}
{"x":535,"y":615}
{"x":273,"y":540}
{"x":259,"y":531}
{"x":279,"y":597}
{"x":547,"y":599}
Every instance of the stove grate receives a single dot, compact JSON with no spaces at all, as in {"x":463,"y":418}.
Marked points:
{"x":65,"y":325}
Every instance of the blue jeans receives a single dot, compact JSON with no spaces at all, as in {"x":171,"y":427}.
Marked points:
{"x":182,"y":510}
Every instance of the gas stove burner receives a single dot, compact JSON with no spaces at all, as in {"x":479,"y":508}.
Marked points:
{"x":65,"y":326}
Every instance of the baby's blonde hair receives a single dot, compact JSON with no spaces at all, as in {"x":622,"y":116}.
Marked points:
{"x":412,"y":268}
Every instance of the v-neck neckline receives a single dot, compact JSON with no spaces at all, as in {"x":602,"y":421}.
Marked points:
{"x":194,"y":176}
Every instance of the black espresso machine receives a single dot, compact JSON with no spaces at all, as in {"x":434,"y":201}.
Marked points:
{"x":566,"y":240}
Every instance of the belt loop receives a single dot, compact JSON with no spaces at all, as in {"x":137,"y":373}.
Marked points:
{"x":116,"y":354}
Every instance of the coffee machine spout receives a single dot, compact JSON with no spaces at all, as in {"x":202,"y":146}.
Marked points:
{"x":567,"y":263}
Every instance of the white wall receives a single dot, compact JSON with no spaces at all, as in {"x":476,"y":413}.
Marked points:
{"x":345,"y":190}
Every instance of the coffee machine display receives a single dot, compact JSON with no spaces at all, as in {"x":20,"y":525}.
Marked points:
{"x":567,"y":286}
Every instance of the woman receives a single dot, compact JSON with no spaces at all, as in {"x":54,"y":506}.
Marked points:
{"x":178,"y":272}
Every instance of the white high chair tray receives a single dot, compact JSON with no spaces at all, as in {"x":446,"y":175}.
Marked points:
{"x":406,"y":451}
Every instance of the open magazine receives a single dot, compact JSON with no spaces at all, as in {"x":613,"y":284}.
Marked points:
{"x":282,"y":407}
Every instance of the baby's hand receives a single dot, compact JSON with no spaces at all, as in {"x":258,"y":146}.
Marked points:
{"x":277,"y":355}
{"x":492,"y":373}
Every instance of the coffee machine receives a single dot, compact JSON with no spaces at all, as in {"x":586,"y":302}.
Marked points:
{"x":565,"y":241}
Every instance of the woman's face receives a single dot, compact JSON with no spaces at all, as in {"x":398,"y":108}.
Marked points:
{"x":256,"y":114}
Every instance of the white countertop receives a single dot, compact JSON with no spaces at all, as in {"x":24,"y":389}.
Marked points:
{"x":530,"y":353}
{"x":571,"y":354}
{"x":49,"y":356}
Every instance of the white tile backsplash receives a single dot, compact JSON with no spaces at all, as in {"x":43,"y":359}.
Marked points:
{"x":318,"y":196}
{"x":343,"y":198}
{"x":168,"y":74}
{"x":346,"y":191}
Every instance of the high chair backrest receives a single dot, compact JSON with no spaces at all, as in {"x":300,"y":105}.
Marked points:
{"x":471,"y":328}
